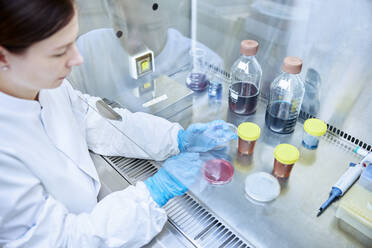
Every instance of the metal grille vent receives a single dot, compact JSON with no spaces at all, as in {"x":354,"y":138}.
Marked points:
{"x":189,"y":216}
{"x":132,"y":170}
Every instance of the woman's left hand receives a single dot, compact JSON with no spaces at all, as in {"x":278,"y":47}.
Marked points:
{"x":202,"y":137}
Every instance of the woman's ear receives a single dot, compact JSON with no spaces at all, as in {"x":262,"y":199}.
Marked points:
{"x":3,"y":57}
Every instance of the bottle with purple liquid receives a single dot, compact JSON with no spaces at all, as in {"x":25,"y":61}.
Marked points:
{"x":246,"y":76}
{"x":286,"y":95}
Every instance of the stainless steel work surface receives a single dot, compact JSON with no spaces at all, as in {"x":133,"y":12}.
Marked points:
{"x":290,"y":220}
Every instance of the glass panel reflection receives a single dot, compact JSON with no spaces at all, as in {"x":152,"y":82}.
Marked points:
{"x":131,"y":61}
{"x":331,"y":37}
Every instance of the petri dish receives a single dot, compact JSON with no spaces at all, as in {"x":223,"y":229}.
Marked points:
{"x":262,"y":187}
{"x":218,"y":171}
{"x":218,"y":133}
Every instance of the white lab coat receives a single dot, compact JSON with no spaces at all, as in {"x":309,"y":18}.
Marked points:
{"x":48,"y":182}
{"x":105,"y":69}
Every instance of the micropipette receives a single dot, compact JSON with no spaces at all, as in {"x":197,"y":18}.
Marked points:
{"x":347,"y":179}
{"x":342,"y":185}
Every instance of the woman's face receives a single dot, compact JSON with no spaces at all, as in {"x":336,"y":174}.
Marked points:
{"x":46,"y":63}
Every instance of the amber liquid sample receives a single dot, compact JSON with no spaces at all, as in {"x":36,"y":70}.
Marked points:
{"x":282,"y":170}
{"x":246,"y":147}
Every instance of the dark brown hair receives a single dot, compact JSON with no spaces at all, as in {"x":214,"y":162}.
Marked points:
{"x":25,"y":22}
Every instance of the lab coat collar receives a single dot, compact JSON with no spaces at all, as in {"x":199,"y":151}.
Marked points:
{"x":19,"y":105}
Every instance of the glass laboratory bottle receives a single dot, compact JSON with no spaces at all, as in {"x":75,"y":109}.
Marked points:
{"x":245,"y":82}
{"x":286,"y":94}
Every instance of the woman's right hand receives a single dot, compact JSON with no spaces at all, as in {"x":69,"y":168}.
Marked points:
{"x":175,"y":176}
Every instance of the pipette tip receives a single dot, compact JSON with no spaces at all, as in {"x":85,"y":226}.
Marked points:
{"x":361,"y":151}
{"x":319,"y":213}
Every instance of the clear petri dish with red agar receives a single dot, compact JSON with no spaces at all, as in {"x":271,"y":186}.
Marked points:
{"x":218,"y":171}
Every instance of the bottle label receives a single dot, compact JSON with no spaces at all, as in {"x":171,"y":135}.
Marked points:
{"x":283,"y":84}
{"x":294,"y":106}
{"x":215,"y":90}
{"x":155,"y":101}
{"x":243,"y":66}
{"x":234,"y":96}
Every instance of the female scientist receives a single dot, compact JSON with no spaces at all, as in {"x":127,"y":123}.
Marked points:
{"x":48,"y":182}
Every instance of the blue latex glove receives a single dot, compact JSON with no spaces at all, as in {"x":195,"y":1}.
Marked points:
{"x":202,"y":137}
{"x":177,"y":173}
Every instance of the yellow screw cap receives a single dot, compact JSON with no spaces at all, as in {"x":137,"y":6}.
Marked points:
{"x":249,"y":131}
{"x":286,"y":154}
{"x":315,"y":127}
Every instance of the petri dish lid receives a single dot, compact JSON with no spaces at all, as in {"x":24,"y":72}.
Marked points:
{"x":249,"y":131}
{"x":262,"y":187}
{"x":218,"y":133}
{"x":315,"y":127}
{"x":218,"y":171}
{"x":286,"y":154}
